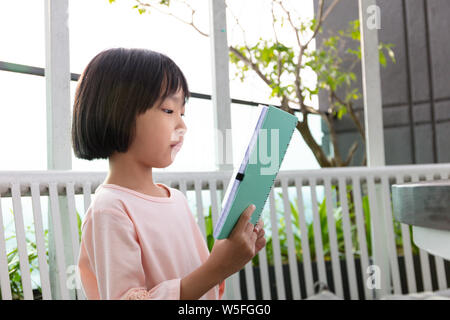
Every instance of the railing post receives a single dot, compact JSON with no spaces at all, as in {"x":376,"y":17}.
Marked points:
{"x":59,"y":154}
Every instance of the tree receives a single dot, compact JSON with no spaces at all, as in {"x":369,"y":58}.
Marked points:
{"x":280,"y":67}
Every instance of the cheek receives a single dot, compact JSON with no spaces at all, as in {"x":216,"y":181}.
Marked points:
{"x":149,"y":137}
{"x":152,"y":137}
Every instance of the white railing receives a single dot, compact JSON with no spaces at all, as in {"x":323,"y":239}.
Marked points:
{"x":342,"y":254}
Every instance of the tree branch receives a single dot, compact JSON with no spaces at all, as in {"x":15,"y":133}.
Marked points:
{"x":319,"y":154}
{"x":333,"y":136}
{"x":279,"y":54}
{"x":351,"y":153}
{"x":351,"y":111}
{"x":321,"y":18}
{"x":298,"y":84}
{"x":252,"y":65}
{"x":191,"y":23}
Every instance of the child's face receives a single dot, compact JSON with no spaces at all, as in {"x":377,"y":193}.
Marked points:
{"x":157,"y":130}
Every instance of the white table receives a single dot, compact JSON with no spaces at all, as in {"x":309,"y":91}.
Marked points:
{"x":425,"y":206}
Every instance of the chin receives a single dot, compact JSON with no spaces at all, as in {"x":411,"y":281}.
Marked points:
{"x":164,"y":164}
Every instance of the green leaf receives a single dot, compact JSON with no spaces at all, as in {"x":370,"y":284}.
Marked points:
{"x":341,"y":112}
{"x":382,"y":58}
{"x":354,"y":52}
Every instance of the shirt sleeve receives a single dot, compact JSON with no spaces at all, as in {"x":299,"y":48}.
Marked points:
{"x":221,"y":289}
{"x":114,"y":256}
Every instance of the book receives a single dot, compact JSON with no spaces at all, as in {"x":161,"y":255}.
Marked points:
{"x":253,"y":180}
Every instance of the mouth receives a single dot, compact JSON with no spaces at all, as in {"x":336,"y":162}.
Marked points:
{"x":177,"y":145}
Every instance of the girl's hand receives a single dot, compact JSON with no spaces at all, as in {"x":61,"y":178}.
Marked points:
{"x":260,"y":240}
{"x":232,"y":254}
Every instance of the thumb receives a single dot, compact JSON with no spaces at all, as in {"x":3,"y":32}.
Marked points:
{"x":245,"y":217}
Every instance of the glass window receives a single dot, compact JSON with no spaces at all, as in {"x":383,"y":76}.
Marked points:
{"x":256,"y":20}
{"x":22,"y":122}
{"x":23,"y":32}
{"x":97,"y":25}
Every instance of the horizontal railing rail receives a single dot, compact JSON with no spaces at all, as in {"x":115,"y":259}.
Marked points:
{"x":315,"y":231}
{"x":95,"y":178}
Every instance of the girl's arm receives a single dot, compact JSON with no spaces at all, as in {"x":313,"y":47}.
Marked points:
{"x":227,"y":257}
{"x":199,"y":281}
{"x":110,"y":260}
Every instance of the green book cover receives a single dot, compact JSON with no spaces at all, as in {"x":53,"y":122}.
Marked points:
{"x":254,"y":179}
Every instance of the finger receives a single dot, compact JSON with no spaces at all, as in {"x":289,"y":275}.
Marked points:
{"x":259,"y":225}
{"x":253,"y":237}
{"x":261,"y":233}
{"x":249,"y":227}
{"x":244,"y":219}
{"x":260,"y":243}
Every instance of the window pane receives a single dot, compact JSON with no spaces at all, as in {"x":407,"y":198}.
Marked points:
{"x":23,"y":32}
{"x":98,"y":25}
{"x":256,"y":19}
{"x":22,"y":122}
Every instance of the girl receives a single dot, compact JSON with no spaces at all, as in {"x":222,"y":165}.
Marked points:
{"x":139,"y":238}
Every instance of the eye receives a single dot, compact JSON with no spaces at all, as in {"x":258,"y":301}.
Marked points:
{"x":170,"y":112}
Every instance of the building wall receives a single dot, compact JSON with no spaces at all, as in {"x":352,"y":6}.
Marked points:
{"x":415,"y":89}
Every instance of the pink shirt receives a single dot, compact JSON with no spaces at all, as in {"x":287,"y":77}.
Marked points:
{"x":137,"y":246}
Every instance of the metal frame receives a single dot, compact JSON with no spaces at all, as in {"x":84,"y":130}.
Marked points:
{"x":38,"y":71}
{"x":409,"y":83}
{"x":430,"y":81}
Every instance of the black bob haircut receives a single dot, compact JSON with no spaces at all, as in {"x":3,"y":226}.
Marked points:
{"x":116,"y":86}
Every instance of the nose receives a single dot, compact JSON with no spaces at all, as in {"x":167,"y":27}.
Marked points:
{"x":180,"y":131}
{"x":182,"y":128}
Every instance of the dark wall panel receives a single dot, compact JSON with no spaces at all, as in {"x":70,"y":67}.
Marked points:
{"x":415,"y":90}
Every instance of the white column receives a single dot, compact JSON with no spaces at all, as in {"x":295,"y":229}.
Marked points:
{"x":59,"y":151}
{"x":221,"y":101}
{"x":57,"y":74}
{"x":220,"y":85}
{"x":370,"y":22}
{"x":369,"y":16}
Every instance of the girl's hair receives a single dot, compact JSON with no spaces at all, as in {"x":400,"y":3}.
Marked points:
{"x":115,"y":87}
